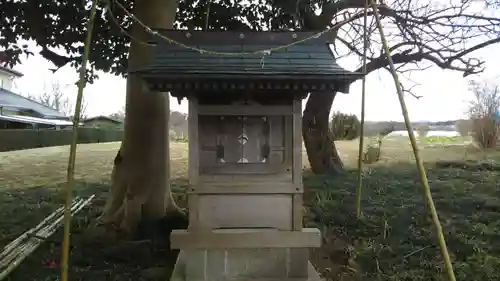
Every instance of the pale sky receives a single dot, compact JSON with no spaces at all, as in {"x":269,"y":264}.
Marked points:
{"x":445,"y":93}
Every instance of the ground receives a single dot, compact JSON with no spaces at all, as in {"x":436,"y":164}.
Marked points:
{"x":393,"y":240}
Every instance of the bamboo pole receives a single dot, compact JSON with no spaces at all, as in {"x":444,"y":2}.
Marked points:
{"x":15,"y":243}
{"x":15,"y":258}
{"x":6,"y":260}
{"x":361,"y":133}
{"x":72,"y":152}
{"x":420,"y":166}
{"x":11,"y":256}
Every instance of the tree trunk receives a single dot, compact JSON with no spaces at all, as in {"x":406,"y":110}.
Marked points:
{"x":140,"y":179}
{"x":318,"y":139}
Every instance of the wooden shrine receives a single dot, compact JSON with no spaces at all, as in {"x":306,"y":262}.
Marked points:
{"x":245,"y":148}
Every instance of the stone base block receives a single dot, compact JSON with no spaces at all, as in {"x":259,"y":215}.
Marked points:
{"x":244,"y":264}
{"x":244,"y":238}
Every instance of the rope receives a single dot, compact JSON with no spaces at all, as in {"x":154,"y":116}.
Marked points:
{"x":108,"y":9}
{"x":207,"y":16}
{"x":258,"y":52}
{"x":416,"y":152}
{"x":72,"y":152}
{"x":361,"y":133}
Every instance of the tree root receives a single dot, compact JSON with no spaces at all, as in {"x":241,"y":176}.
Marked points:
{"x":152,"y":238}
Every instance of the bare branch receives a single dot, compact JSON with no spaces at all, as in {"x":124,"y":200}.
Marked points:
{"x":54,"y":96}
{"x":423,"y":31}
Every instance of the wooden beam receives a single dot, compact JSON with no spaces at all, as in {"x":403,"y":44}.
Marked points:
{"x":246,"y":169}
{"x":245,"y":239}
{"x":210,"y":179}
{"x":245,"y":188}
{"x":245,"y":110}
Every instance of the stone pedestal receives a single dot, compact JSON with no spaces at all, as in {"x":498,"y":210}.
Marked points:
{"x":182,"y":271}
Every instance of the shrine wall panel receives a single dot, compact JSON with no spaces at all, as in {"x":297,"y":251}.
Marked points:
{"x":246,"y":211}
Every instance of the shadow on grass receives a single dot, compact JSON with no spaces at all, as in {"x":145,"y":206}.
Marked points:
{"x":23,"y":209}
{"x":395,"y":239}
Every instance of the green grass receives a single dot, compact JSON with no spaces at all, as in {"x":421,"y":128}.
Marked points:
{"x":438,"y":139}
{"x":23,"y":209}
{"x":393,"y":241}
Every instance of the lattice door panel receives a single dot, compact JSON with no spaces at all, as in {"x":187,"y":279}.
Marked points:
{"x":243,"y":139}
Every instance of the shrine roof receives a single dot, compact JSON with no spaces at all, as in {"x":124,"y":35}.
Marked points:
{"x":260,"y":60}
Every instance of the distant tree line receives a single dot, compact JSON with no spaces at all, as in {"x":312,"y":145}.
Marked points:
{"x":178,"y":123}
{"x":343,"y":126}
{"x":178,"y":126}
{"x":347,"y":126}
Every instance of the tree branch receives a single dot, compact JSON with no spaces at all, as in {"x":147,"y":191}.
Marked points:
{"x":474,"y":48}
{"x":58,"y":60}
{"x":381,"y":62}
{"x":329,"y":10}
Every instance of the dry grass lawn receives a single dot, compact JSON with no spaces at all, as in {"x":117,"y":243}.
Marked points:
{"x":47,"y":166}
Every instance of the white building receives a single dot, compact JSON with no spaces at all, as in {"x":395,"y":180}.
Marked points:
{"x":17,"y":111}
{"x":7,"y":77}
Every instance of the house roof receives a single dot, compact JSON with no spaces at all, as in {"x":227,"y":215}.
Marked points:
{"x":307,"y":67}
{"x":102,"y":117}
{"x":15,"y":101}
{"x":35,"y":120}
{"x":11,"y":71}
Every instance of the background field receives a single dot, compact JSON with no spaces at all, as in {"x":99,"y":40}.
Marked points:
{"x":393,"y":241}
{"x":47,"y":166}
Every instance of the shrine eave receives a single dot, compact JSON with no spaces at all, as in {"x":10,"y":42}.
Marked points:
{"x":205,"y":82}
{"x":234,"y":61}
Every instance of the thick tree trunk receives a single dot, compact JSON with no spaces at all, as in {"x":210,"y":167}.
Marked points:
{"x":321,"y":150}
{"x":140,"y":179}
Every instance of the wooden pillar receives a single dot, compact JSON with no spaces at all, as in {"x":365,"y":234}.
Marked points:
{"x":297,"y":164}
{"x":298,"y":256}
{"x":193,"y":169}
